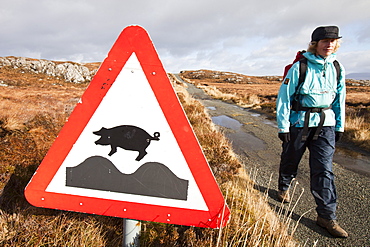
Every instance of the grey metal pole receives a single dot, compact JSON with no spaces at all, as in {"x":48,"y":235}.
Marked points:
{"x":131,"y":233}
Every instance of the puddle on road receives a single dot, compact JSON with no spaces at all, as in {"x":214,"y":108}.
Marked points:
{"x":241,"y":140}
{"x":352,"y":160}
{"x":227,"y":122}
{"x":270,"y":123}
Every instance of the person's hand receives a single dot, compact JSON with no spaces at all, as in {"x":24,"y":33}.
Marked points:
{"x":284,"y":137}
{"x":338,"y":136}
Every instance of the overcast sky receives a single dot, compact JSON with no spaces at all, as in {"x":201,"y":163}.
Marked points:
{"x":250,"y":37}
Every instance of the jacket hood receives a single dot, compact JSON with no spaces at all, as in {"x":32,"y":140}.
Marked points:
{"x":318,"y":59}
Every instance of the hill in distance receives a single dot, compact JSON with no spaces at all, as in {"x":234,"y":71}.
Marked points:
{"x":358,"y":76}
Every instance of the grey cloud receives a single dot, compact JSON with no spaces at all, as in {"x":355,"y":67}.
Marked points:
{"x":242,"y":36}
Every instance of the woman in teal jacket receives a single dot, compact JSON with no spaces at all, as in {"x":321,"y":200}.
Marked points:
{"x":311,"y":115}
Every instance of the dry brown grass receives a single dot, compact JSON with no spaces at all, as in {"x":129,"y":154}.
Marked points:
{"x":357,"y":127}
{"x":67,"y":229}
{"x":31,"y":115}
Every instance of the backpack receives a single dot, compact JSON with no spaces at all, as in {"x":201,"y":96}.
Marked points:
{"x":298,"y":57}
{"x":295,"y":103}
{"x":303,"y":67}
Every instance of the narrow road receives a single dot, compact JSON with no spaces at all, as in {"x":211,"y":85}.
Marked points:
{"x":255,"y":141}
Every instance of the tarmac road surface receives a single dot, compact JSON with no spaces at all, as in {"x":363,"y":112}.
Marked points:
{"x":255,"y":141}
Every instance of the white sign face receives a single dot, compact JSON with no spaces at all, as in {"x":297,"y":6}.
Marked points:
{"x":129,"y":106}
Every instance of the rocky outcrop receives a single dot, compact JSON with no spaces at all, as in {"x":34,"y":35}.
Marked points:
{"x":358,"y":83}
{"x":228,"y":77}
{"x":71,"y":72}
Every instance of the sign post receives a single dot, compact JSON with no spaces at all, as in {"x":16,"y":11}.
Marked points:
{"x":128,"y":149}
{"x":131,"y":233}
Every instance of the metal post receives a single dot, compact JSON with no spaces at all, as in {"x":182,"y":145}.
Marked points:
{"x":131,"y":233}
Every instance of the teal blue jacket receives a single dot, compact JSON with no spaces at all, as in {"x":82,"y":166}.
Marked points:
{"x":320,"y":89}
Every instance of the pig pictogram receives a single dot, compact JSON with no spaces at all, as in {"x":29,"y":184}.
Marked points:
{"x":127,"y":137}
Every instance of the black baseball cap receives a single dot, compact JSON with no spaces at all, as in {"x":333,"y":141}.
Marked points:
{"x":328,"y":32}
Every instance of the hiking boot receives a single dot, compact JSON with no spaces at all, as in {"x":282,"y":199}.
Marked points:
{"x":283,"y":196}
{"x":332,"y":226}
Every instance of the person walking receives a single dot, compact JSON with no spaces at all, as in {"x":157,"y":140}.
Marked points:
{"x":311,"y":115}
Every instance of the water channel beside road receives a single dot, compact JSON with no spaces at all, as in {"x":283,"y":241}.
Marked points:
{"x":249,"y":140}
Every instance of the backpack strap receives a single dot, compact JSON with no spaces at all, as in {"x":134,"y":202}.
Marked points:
{"x":337,"y":68}
{"x":297,"y":107}
{"x":302,"y":76}
{"x":307,"y":119}
{"x":302,"y":71}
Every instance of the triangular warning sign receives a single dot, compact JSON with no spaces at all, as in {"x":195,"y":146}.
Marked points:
{"x":128,"y":150}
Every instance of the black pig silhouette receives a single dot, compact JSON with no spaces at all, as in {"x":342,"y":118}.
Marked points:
{"x":127,"y":137}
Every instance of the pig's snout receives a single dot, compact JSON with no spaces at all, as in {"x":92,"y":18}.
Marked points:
{"x":100,"y":142}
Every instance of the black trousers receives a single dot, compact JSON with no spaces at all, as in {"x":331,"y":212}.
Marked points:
{"x":321,"y":164}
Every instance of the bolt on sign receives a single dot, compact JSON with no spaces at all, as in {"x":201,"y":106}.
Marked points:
{"x":128,"y":150}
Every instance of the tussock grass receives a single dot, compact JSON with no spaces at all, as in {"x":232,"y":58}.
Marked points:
{"x":67,"y":229}
{"x":247,"y":100}
{"x":357,"y":127}
{"x":31,"y":117}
